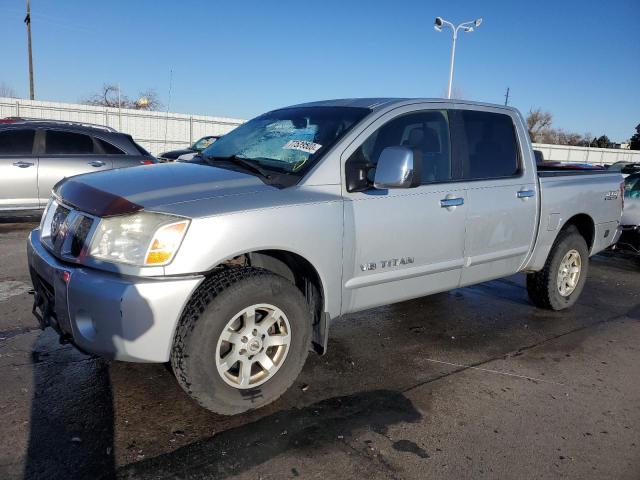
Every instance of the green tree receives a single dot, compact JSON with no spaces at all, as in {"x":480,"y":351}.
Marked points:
{"x":634,"y":142}
{"x":602,"y":142}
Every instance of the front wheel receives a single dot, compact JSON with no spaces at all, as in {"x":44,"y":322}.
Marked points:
{"x":559,"y":284}
{"x":242,"y":340}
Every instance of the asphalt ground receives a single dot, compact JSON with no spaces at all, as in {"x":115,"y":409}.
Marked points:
{"x":473,"y":383}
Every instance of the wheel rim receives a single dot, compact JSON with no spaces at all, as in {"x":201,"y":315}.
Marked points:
{"x":253,"y":346}
{"x":569,"y":272}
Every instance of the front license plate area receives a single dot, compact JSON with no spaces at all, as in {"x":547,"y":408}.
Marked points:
{"x":44,"y":303}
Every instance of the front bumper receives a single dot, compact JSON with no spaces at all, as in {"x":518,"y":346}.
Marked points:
{"x":123,"y":318}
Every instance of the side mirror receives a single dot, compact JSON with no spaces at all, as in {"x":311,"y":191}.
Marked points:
{"x":398,"y":167}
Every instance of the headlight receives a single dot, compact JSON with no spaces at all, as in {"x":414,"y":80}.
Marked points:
{"x":142,"y":239}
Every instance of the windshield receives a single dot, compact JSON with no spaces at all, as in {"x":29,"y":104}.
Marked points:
{"x":632,"y":186}
{"x":203,"y":143}
{"x":288,"y":140}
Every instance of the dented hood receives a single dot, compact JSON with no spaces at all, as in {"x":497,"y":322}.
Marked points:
{"x":126,"y":190}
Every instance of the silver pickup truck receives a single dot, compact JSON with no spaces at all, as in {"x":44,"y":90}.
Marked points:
{"x":233,"y":266}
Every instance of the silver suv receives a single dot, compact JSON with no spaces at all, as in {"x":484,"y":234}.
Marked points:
{"x":35,"y":155}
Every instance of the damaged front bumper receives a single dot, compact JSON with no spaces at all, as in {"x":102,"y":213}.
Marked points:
{"x":125,"y":318}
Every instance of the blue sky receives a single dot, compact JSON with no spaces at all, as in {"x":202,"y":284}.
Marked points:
{"x":578,"y":59}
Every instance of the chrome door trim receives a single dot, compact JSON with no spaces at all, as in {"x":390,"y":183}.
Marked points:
{"x":22,"y":164}
{"x":526,"y":193}
{"x":451,"y":202}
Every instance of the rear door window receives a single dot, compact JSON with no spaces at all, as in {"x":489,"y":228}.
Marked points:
{"x":68,"y":143}
{"x":17,"y":142}
{"x":486,"y":145}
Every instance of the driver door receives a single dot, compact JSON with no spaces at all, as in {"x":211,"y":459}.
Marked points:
{"x":403,"y":243}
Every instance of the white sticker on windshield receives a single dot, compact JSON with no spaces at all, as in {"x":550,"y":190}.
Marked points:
{"x":302,"y":145}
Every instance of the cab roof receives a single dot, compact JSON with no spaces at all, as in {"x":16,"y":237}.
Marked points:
{"x":378,"y":103}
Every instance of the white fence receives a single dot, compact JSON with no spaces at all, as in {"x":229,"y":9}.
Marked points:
{"x":159,"y":131}
{"x":156,"y":131}
{"x":600,"y":156}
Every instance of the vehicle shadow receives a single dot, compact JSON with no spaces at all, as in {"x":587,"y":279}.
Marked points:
{"x":295,"y":431}
{"x":71,"y":426}
{"x":72,"y":411}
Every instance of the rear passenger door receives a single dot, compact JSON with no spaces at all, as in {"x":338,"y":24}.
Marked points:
{"x":18,"y":170}
{"x":502,"y":210}
{"x":65,"y":154}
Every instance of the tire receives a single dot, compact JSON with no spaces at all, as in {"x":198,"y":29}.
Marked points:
{"x":196,"y":360}
{"x":544,"y":286}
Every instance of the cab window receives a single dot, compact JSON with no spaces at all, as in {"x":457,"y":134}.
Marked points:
{"x":426,"y":131}
{"x":486,"y":145}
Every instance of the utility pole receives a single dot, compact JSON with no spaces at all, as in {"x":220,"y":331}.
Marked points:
{"x":27,"y":20}
{"x":506,"y":97}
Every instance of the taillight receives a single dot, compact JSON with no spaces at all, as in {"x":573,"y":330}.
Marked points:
{"x":146,"y":162}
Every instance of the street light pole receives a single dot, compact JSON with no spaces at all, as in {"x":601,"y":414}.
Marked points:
{"x":468,"y":27}
{"x":453,"y":56}
{"x":27,"y":20}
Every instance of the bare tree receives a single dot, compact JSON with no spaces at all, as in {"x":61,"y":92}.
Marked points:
{"x":111,"y":96}
{"x":147,"y":100}
{"x":539,"y":125}
{"x":7,"y":91}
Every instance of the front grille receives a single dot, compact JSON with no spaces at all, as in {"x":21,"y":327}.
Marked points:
{"x":58,"y":224}
{"x":66,"y":231}
{"x":80,"y":234}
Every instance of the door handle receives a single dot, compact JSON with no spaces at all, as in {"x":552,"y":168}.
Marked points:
{"x":451,"y":202}
{"x":526,"y":193}
{"x":96,"y":163}
{"x":23,"y":164}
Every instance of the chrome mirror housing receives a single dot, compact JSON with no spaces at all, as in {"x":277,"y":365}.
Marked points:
{"x":398,"y":167}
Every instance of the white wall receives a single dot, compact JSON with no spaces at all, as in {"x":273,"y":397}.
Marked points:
{"x":149,"y":129}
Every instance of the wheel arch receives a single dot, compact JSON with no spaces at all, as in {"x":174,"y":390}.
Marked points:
{"x":585,"y":226}
{"x":303,"y":274}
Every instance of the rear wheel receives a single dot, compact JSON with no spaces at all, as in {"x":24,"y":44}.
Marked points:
{"x":559,"y":284}
{"x":242,"y":340}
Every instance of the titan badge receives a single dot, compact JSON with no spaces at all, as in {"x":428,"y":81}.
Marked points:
{"x":393,"y":262}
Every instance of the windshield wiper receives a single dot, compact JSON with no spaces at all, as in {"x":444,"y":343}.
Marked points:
{"x":248,"y":164}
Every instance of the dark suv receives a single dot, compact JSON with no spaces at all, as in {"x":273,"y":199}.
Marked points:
{"x":36,"y":154}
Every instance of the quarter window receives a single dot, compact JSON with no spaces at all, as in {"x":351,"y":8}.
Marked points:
{"x":70,"y":143}
{"x":16,"y":142}
{"x":108,"y":148}
{"x":487,"y":146}
{"x":427,"y":131}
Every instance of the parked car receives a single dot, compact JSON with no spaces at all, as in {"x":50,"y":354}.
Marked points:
{"x":35,"y":155}
{"x":625,"y":168}
{"x":233,"y":266}
{"x":630,"y":225}
{"x":189,"y":152}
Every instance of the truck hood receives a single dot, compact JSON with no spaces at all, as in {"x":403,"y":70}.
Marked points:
{"x":126,"y":190}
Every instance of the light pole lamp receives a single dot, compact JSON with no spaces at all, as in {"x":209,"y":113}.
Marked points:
{"x":467,"y":27}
